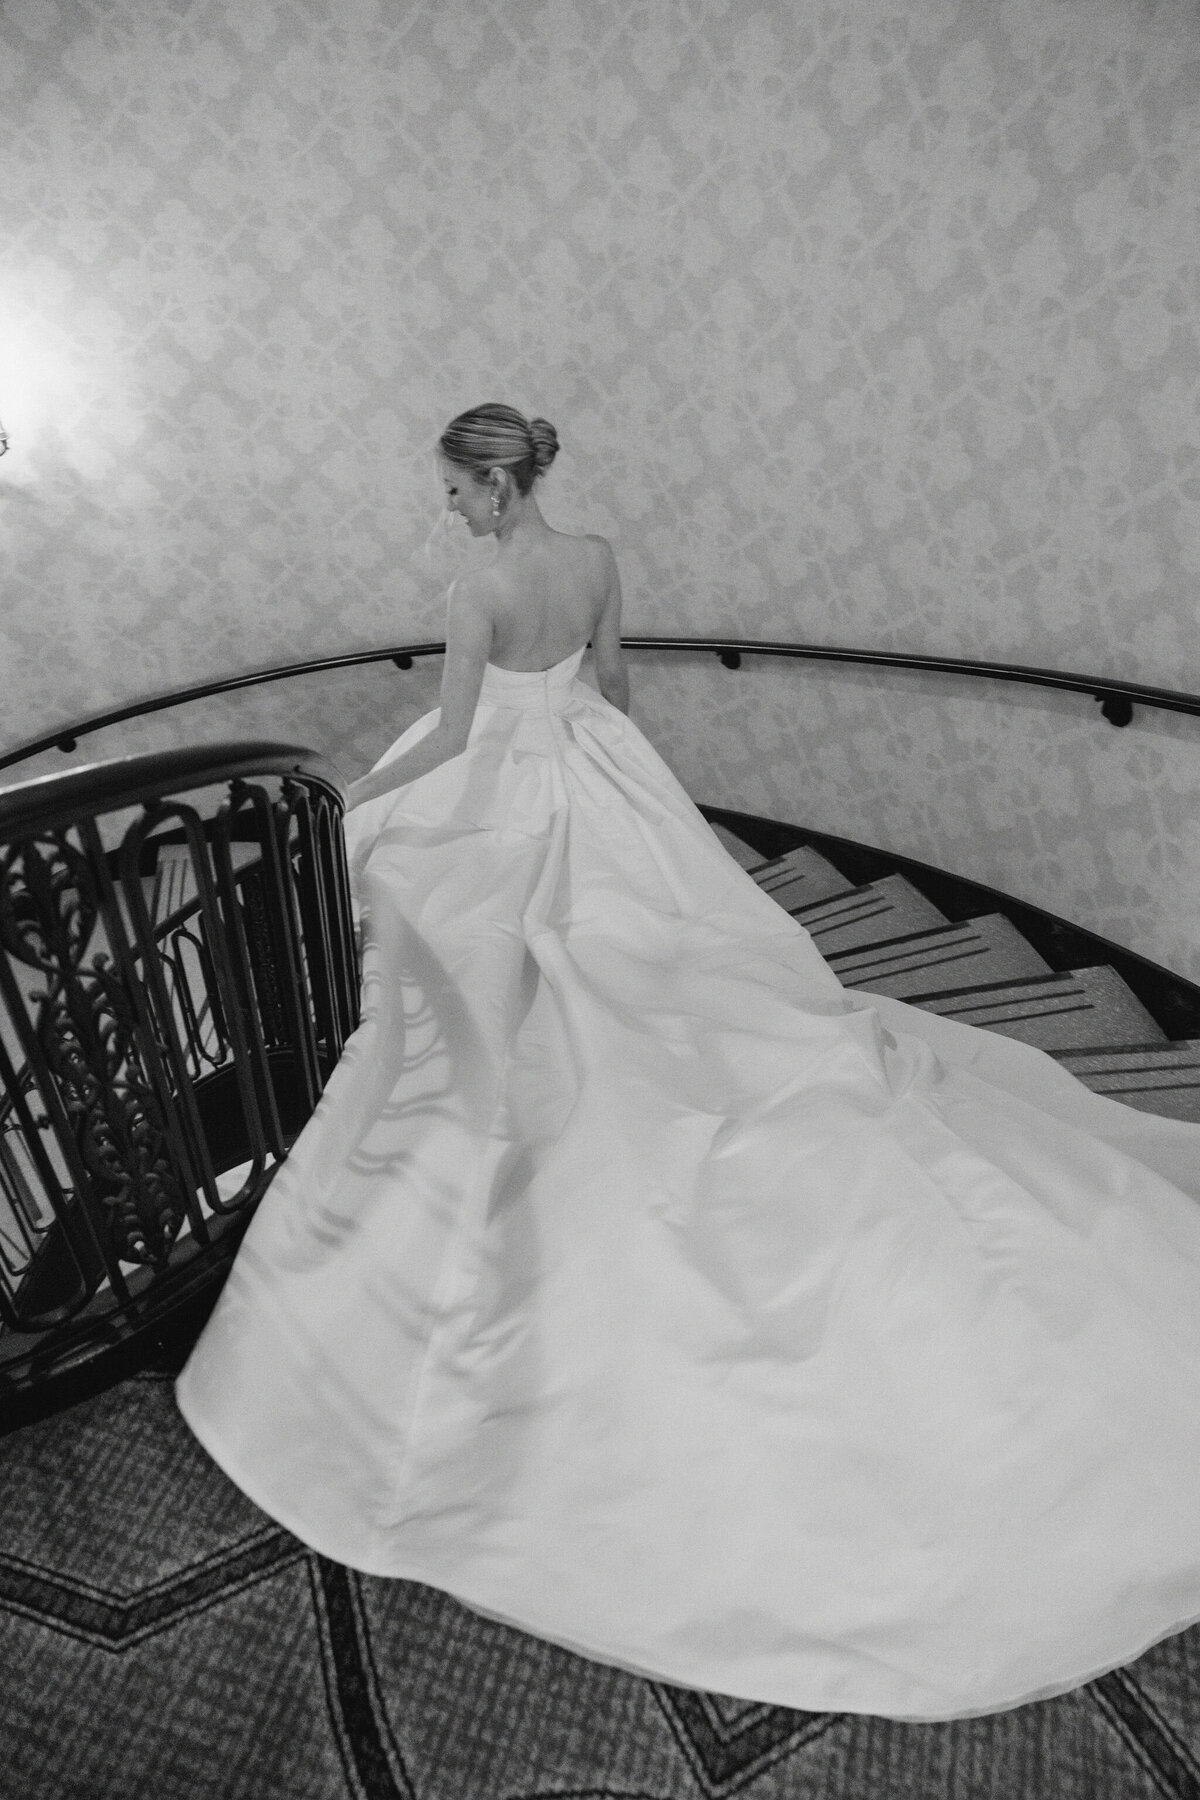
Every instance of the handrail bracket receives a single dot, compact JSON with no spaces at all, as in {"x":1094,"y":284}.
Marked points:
{"x":1117,"y":708}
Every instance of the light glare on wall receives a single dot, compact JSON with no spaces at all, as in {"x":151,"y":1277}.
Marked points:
{"x":32,"y":378}
{"x":49,"y":393}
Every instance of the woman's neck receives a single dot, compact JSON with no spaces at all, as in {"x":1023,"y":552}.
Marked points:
{"x":521,"y":526}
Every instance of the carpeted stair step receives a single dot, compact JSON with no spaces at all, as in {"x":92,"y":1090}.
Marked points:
{"x":741,"y":852}
{"x":919,"y":965}
{"x":1155,"y":1077}
{"x":861,"y":918}
{"x":796,"y":879}
{"x":1074,"y":1009}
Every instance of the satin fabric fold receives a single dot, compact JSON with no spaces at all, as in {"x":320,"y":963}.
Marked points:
{"x":643,"y":1288}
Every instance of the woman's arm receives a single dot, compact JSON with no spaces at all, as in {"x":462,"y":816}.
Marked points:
{"x":468,"y":644}
{"x":609,"y":657}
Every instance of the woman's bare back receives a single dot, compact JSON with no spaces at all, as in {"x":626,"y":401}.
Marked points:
{"x":548,"y":603}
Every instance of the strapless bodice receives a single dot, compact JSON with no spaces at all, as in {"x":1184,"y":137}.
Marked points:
{"x":531,"y":688}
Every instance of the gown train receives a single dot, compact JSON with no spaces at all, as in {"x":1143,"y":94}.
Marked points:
{"x":643,"y":1288}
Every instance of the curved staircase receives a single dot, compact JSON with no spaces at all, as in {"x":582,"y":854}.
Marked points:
{"x":892,"y":926}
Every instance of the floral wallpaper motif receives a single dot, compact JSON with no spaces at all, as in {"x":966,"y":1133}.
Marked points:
{"x":860,"y":322}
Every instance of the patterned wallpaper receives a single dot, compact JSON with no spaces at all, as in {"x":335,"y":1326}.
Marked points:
{"x":862,"y":321}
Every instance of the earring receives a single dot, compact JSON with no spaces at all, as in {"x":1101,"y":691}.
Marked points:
{"x":495,"y":506}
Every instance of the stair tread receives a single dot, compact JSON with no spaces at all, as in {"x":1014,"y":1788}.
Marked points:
{"x":1177,"y":1101}
{"x":1081,"y":1010}
{"x":742,"y":853}
{"x":938,"y":960}
{"x":863,"y":917}
{"x":1174,"y":1053}
{"x":793,"y":879}
{"x":1160,"y":1078}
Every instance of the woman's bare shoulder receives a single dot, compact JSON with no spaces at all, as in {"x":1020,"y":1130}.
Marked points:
{"x":579,"y":539}
{"x":596,"y":551}
{"x":471,"y":586}
{"x":583,"y":557}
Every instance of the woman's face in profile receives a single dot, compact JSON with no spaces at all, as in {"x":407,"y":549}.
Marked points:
{"x":470,"y":499}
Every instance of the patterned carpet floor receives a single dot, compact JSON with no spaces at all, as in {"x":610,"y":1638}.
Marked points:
{"x":161,"y":1639}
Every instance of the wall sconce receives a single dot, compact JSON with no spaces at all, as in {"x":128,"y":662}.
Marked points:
{"x":3,"y":438}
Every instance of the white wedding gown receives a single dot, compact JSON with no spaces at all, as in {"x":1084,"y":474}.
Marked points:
{"x":640,"y":1286}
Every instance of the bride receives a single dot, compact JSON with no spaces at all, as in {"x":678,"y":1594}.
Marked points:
{"x":641,"y":1287}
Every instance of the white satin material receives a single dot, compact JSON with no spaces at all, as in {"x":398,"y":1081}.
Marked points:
{"x":641,"y":1287}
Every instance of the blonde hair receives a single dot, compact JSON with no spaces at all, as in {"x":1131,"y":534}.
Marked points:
{"x":499,"y":437}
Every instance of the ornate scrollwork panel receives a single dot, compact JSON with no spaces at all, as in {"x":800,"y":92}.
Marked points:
{"x":48,"y":905}
{"x":87,"y":1030}
{"x":177,"y":977}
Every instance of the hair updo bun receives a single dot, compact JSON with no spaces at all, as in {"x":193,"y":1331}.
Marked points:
{"x":545,"y":443}
{"x":499,"y":437}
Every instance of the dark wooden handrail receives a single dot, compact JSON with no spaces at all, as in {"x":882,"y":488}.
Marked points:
{"x":52,"y":800}
{"x":1117,"y":698}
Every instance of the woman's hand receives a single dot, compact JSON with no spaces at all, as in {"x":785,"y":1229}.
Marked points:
{"x":427,"y":754}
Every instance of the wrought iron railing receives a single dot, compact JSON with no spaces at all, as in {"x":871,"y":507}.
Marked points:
{"x":178,"y":976}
